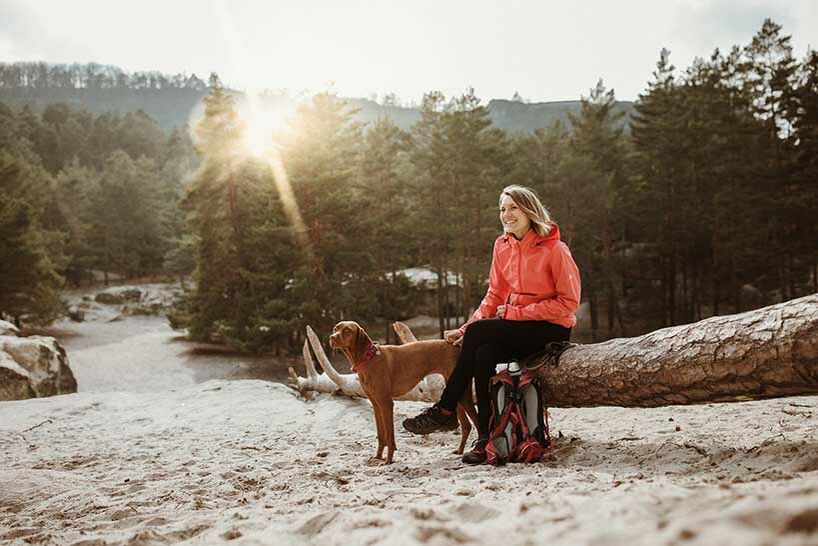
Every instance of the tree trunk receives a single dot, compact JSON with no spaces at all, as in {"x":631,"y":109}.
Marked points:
{"x":766,"y":353}
{"x":440,"y":311}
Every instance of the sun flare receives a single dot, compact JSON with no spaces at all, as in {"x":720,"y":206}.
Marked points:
{"x":260,"y":126}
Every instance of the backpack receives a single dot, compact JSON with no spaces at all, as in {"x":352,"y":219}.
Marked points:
{"x":518,"y":429}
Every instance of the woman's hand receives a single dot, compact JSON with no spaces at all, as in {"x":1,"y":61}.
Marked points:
{"x":501,"y":311}
{"x":454,"y":337}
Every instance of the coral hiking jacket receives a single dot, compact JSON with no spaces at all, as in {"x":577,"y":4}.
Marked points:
{"x":536,"y":277}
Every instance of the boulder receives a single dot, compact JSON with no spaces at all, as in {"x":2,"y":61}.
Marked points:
{"x":8,"y":329}
{"x":76,"y":314}
{"x":119,"y":295}
{"x":15,"y":381}
{"x":32,"y":367}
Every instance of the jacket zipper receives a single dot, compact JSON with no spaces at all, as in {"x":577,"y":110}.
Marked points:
{"x":519,"y":267}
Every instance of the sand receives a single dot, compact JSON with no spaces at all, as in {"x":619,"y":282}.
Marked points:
{"x":250,"y":462}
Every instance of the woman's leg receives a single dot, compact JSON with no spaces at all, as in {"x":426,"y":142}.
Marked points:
{"x":501,"y":341}
{"x":487,"y":358}
{"x":442,"y":416}
{"x":486,"y":343}
{"x":479,"y":333}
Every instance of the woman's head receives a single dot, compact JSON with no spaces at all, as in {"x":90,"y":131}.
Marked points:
{"x":521,"y":209}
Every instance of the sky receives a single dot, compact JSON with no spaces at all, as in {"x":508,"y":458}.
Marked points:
{"x":545,"y":50}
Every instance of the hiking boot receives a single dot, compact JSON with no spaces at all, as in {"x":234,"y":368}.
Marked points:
{"x":431,"y":420}
{"x":477,"y":455}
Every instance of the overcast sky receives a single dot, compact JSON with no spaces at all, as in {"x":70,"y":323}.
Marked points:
{"x":546,"y":50}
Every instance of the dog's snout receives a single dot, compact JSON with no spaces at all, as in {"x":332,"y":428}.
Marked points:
{"x":333,"y":341}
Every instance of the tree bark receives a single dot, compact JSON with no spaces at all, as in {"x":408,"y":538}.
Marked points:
{"x":765,"y":353}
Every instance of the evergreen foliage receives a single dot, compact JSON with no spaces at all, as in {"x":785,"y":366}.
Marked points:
{"x":703,"y":204}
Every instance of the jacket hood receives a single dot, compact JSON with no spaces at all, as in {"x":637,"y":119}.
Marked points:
{"x":531,"y":238}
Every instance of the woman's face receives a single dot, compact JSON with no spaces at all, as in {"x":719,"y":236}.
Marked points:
{"x":514,"y":220}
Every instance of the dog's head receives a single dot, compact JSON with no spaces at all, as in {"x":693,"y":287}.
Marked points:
{"x":348,"y":335}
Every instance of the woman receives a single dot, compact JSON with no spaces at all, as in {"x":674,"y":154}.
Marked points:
{"x":534,"y":290}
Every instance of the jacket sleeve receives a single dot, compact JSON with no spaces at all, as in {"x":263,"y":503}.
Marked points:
{"x":566,"y":300}
{"x":497,"y":294}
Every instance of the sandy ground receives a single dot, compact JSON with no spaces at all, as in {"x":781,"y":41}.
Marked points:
{"x":252,"y":463}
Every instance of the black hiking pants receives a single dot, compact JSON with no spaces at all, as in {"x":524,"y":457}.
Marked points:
{"x":486,"y":343}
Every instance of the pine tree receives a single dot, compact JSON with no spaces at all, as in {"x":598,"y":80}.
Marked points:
{"x":383,"y":178}
{"x":598,"y":136}
{"x":460,"y":162}
{"x":655,"y":131}
{"x":769,"y":78}
{"x":125,"y":217}
{"x":805,"y":171}
{"x":320,"y":152}
{"x":30,"y":256}
{"x":213,"y":204}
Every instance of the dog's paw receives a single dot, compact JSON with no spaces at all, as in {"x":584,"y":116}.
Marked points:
{"x":375,"y":461}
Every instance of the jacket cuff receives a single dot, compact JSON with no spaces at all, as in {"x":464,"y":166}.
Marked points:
{"x":512,"y":313}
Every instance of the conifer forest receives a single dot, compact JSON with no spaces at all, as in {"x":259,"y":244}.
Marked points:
{"x":699,"y":200}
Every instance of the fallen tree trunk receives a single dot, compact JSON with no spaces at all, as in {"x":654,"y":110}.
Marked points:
{"x":766,"y":353}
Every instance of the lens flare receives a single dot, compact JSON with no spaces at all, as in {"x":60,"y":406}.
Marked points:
{"x":260,"y":125}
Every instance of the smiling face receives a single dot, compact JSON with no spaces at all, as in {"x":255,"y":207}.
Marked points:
{"x":345,"y":335}
{"x":514,"y":220}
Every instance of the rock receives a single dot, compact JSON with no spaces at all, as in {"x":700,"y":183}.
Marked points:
{"x":76,"y":314}
{"x":14,"y":380}
{"x":119,"y":295}
{"x":33,"y":366}
{"x":8,"y":329}
{"x":148,"y":308}
{"x":106,"y":297}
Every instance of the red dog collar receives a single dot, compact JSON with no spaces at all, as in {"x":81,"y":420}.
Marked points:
{"x":370,"y":353}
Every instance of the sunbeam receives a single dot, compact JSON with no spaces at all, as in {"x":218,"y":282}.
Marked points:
{"x":261,"y":123}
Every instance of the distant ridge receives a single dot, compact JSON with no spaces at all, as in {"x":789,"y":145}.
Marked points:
{"x":174,"y":101}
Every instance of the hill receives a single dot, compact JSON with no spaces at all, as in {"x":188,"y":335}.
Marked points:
{"x":174,"y":101}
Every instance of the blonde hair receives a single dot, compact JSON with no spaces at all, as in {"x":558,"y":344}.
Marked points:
{"x":530,"y":204}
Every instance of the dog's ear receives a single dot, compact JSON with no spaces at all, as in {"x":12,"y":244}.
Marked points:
{"x":362,"y":341}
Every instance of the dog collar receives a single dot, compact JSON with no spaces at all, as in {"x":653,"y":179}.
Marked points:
{"x":370,"y":353}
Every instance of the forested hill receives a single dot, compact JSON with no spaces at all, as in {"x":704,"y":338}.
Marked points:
{"x":172,"y":100}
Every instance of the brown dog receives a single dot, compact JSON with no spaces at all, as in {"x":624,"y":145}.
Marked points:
{"x":389,"y":371}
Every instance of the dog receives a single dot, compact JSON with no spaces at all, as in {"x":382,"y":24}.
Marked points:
{"x":389,"y":371}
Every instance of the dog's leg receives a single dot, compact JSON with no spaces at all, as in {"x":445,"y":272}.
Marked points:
{"x":389,"y":428}
{"x":465,"y":428}
{"x":377,"y":410}
{"x":466,"y":413}
{"x":386,"y":431}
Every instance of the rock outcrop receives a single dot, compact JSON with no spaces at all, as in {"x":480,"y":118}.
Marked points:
{"x":8,"y":329}
{"x":32,"y":367}
{"x":119,"y":295}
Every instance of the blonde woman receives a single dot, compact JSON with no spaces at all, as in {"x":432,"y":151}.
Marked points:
{"x":534,"y":290}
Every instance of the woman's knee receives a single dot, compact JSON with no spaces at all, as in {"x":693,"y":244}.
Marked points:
{"x":482,"y":329}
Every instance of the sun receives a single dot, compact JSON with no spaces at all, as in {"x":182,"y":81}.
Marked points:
{"x":261,"y":121}
{"x":259,"y":128}
{"x":258,"y":136}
